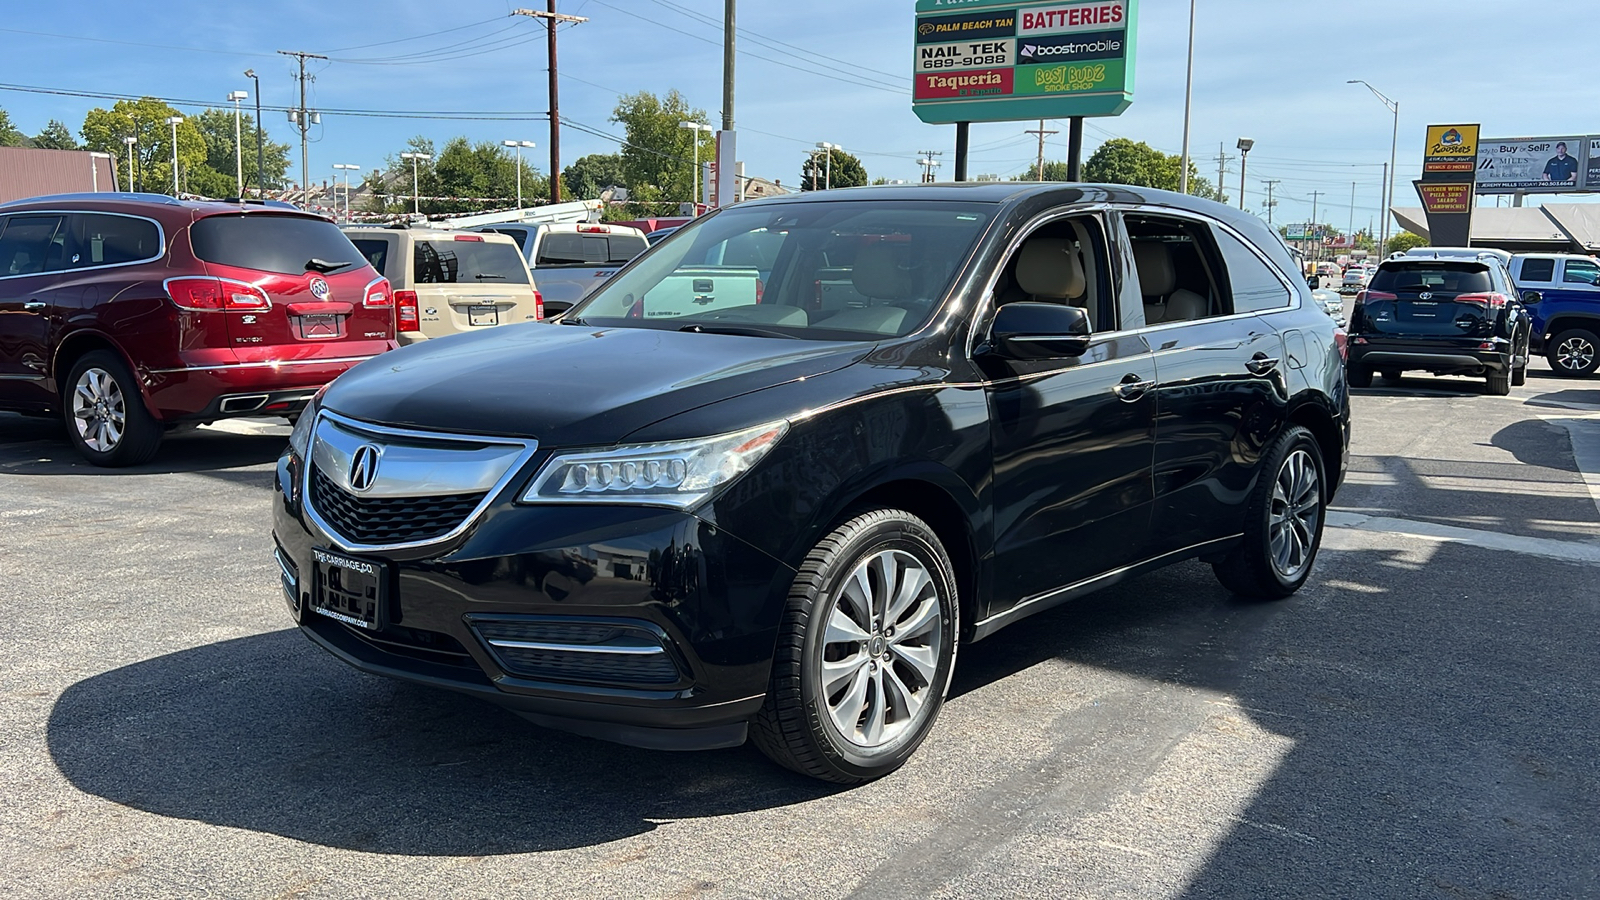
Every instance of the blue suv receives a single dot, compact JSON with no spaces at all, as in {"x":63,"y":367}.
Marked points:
{"x":1562,"y":291}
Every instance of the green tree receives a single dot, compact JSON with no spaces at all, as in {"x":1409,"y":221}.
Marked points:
{"x":658,"y":158}
{"x":461,"y":177}
{"x":1404,"y":241}
{"x":1123,"y":161}
{"x":586,"y":178}
{"x":216,"y":126}
{"x":1053,"y":171}
{"x":56,"y":136}
{"x":10,"y":135}
{"x":146,"y":120}
{"x":847,"y":170}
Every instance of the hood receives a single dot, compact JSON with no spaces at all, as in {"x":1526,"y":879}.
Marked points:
{"x":571,"y":385}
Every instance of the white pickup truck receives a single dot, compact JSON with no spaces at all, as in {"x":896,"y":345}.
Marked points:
{"x":570,"y":260}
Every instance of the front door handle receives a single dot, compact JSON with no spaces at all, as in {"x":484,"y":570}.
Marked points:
{"x":1262,"y":364}
{"x":1132,"y":388}
{"x":35,"y":305}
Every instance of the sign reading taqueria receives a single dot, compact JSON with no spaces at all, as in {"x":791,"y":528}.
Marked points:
{"x":1004,"y":60}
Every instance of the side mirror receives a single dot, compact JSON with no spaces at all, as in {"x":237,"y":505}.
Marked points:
{"x":1029,"y":331}
{"x":1531,"y":296}
{"x":1312,"y":282}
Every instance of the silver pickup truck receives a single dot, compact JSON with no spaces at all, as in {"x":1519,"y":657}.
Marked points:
{"x":569,"y":261}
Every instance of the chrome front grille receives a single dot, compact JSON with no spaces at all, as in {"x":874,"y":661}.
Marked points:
{"x":389,"y":520}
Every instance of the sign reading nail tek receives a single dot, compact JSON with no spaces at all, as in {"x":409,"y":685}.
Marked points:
{"x":1008,"y":60}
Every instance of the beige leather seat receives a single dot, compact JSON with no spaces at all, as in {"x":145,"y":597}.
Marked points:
{"x":879,"y":276}
{"x":1158,"y":281}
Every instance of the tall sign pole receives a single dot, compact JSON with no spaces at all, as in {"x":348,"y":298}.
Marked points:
{"x":727,"y":139}
{"x":551,"y":20}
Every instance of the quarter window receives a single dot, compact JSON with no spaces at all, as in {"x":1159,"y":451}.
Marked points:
{"x":1581,"y":272}
{"x":112,"y":240}
{"x":1254,"y":286}
{"x":1541,"y":271}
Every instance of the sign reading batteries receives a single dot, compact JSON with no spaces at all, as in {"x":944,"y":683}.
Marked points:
{"x":1004,"y":60}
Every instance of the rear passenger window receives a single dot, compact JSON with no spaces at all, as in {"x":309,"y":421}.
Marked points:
{"x":464,"y":261}
{"x":1539,"y":270}
{"x":1578,"y":271}
{"x":104,"y":240}
{"x":1253,"y":283}
{"x":574,"y":249}
{"x":28,"y":244}
{"x":1179,"y":270}
{"x":376,"y":250}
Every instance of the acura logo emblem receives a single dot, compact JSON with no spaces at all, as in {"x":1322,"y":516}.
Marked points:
{"x":364,"y":467}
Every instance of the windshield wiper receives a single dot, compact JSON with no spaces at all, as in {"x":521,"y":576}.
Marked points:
{"x":482,"y":275}
{"x":321,"y":265}
{"x":739,"y":330}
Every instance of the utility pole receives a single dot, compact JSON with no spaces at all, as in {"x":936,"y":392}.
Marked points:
{"x":304,"y":121}
{"x":1271,"y":202}
{"x":928,"y":163}
{"x":1350,"y":235}
{"x":551,"y":20}
{"x":1222,"y":168}
{"x":1316,"y":245}
{"x":1039,"y":171}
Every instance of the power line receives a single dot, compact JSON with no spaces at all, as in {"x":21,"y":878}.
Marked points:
{"x":461,"y":115}
{"x":805,"y":54}
{"x":416,"y":37}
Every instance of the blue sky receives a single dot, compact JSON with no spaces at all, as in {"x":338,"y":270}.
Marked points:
{"x":1273,"y":70}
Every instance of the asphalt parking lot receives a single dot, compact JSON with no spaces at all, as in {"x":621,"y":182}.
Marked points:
{"x":1420,"y":721}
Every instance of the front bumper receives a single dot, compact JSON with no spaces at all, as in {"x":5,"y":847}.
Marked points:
{"x":713,"y":600}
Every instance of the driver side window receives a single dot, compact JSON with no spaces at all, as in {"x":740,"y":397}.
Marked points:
{"x":1579,"y":271}
{"x":1063,"y":262}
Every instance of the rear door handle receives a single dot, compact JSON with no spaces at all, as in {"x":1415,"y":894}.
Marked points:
{"x":1262,"y":364}
{"x":1132,"y":388}
{"x":35,"y":305}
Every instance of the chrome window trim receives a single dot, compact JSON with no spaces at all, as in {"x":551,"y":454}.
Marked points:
{"x":161,"y":234}
{"x":269,"y":364}
{"x":514,"y":471}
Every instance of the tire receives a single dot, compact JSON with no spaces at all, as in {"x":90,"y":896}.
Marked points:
{"x":1283,"y":522}
{"x":105,"y":414}
{"x":1359,"y":377}
{"x":806,"y":723}
{"x":1499,"y":383}
{"x":1519,"y":375}
{"x":1574,"y":352}
{"x":1391,"y":375}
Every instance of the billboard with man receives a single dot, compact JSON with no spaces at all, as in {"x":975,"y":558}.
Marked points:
{"x":1552,"y":165}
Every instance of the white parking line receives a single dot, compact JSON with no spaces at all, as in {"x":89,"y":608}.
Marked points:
{"x":1566,"y":551}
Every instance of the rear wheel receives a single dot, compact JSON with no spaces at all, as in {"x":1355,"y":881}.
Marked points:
{"x":1359,"y":377}
{"x":1283,"y":522}
{"x":1499,"y":383}
{"x":865,"y":651}
{"x":105,"y":413}
{"x":1574,"y":352}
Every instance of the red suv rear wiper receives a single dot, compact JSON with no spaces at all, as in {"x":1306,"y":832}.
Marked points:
{"x":321,"y":265}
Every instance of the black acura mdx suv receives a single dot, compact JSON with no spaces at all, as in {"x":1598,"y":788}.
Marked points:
{"x":767,"y":479}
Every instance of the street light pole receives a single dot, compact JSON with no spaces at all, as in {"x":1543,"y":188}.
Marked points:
{"x":827,"y":181}
{"x":130,"y":140}
{"x":697,"y":128}
{"x":519,"y":145}
{"x":260,"y":153}
{"x":346,"y":169}
{"x":416,"y":194}
{"x":238,"y":137}
{"x":1188,"y":101}
{"x":1394,"y":143}
{"x":1244,"y":146}
{"x":175,"y":121}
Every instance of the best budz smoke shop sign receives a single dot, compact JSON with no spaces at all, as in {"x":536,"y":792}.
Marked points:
{"x":999,"y":61}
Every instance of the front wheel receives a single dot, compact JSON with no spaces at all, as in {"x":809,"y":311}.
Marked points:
{"x":1573,"y":352}
{"x":865,"y":651}
{"x":105,"y":413}
{"x":1283,"y":522}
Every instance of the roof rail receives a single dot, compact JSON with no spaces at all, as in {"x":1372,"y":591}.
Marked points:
{"x":120,"y":196}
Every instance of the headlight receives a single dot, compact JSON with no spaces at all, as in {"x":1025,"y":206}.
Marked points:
{"x":679,"y":474}
{"x":300,"y":437}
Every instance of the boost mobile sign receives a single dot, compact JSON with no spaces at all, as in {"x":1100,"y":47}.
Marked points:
{"x":1004,"y":60}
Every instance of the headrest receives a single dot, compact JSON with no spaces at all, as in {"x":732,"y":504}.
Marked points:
{"x":1049,"y":267}
{"x":878,"y":273}
{"x":1156,"y":277}
{"x":1186,"y":306}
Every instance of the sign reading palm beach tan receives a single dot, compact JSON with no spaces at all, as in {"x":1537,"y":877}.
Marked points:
{"x":1002,"y":60}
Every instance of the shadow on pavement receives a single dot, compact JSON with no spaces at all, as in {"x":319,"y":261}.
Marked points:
{"x":270,"y":734}
{"x":37,"y":446}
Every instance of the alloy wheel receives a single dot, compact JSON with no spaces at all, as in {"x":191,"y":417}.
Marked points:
{"x":880,"y":649}
{"x":1295,"y":513}
{"x":99,"y":410}
{"x":1575,"y":354}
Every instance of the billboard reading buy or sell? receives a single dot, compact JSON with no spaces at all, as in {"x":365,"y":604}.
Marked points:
{"x":1551,"y":165}
{"x":1005,"y":60}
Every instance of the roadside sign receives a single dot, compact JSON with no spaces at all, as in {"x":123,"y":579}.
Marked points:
{"x":1451,"y":148}
{"x":1007,"y":60}
{"x":1445,"y":197}
{"x":1548,"y":165}
{"x":1296,"y":232}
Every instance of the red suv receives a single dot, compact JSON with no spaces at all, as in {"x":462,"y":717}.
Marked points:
{"x":131,"y":314}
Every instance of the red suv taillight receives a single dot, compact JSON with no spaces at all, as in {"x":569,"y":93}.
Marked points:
{"x":538,"y":305}
{"x":377,"y":294}
{"x":406,"y":317}
{"x":204,"y":292}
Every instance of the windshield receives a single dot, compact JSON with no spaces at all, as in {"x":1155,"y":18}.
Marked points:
{"x":585,"y":250}
{"x":838,"y":270}
{"x":466,"y":261}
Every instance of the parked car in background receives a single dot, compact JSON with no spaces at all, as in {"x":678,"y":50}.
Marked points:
{"x":681,"y":527}
{"x":660,"y":234}
{"x":447,"y":282}
{"x":1446,"y":315}
{"x":1562,"y":291}
{"x":1355,"y":278}
{"x":132,"y":314}
{"x":570,"y":260}
{"x":1331,"y":302}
